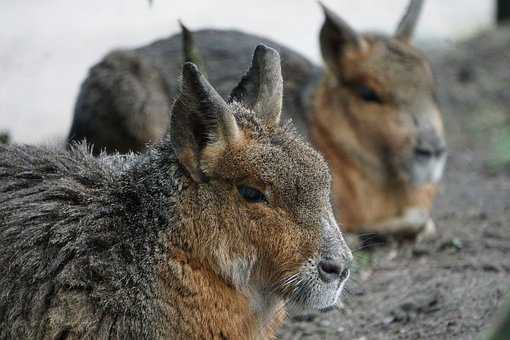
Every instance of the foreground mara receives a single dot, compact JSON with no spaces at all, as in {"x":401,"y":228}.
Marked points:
{"x":372,"y":112}
{"x":211,"y":233}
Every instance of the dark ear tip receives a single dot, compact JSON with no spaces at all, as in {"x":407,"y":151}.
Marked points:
{"x":190,"y":71}
{"x":182,"y":26}
{"x":263,"y":52}
{"x":260,"y":48}
{"x":331,"y":18}
{"x":189,"y":68}
{"x":325,"y":9}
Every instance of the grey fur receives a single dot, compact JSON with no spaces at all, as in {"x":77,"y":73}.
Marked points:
{"x":72,"y":224}
{"x":261,"y":89}
{"x":130,"y":91}
{"x":194,"y":122}
{"x":122,"y":82}
{"x":86,"y":243}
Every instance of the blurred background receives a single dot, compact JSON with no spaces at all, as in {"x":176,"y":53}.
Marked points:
{"x":46,"y":47}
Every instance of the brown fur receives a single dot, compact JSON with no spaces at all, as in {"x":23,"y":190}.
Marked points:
{"x":370,"y":144}
{"x":383,"y":179}
{"x":170,"y":243}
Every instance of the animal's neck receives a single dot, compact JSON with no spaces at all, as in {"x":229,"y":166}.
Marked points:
{"x":269,"y":311}
{"x":205,"y":305}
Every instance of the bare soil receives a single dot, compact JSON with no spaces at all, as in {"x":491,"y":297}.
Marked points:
{"x":452,"y":286}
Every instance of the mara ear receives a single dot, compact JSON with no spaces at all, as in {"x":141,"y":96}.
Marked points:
{"x":200,"y":117}
{"x":261,"y":89}
{"x":336,"y":36}
{"x":190,"y":52}
{"x":408,"y":23}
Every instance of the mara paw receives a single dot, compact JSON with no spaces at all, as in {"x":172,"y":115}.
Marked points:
{"x":429,"y":231}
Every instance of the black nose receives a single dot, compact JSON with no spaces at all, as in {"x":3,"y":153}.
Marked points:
{"x":330,"y":271}
{"x":424,"y":152}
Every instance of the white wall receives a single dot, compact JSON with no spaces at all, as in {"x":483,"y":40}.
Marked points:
{"x":46,"y":46}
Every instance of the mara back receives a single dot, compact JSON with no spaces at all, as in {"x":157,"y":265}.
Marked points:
{"x":125,"y":101}
{"x":371,"y":111}
{"x":210,"y":233}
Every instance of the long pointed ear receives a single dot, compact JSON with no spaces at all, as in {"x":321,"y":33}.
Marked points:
{"x":407,"y":25}
{"x":200,"y":117}
{"x":261,"y":89}
{"x":336,"y":36}
{"x":190,"y":52}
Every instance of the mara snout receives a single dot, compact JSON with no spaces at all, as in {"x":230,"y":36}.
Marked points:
{"x":320,"y":281}
{"x":429,"y":152}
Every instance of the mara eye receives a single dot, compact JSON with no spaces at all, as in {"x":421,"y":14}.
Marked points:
{"x":366,"y":93}
{"x":251,"y":194}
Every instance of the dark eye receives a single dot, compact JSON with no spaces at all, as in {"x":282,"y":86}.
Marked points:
{"x":366,"y":93}
{"x":251,"y":194}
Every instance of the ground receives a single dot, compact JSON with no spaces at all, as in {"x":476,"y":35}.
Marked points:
{"x":450,"y":287}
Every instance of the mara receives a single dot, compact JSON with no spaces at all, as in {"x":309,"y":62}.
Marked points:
{"x":371,"y":111}
{"x":213,"y":232}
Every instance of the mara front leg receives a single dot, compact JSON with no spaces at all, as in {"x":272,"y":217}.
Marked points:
{"x":415,"y":221}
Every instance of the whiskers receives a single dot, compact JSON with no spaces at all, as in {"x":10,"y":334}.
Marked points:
{"x":369,"y":241}
{"x":301,"y":293}
{"x":287,"y":284}
{"x":295,"y":290}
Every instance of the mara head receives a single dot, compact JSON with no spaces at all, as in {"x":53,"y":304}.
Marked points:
{"x":383,"y":90}
{"x":262,"y":194}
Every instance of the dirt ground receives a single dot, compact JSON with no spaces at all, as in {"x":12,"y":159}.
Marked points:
{"x":450,"y":287}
